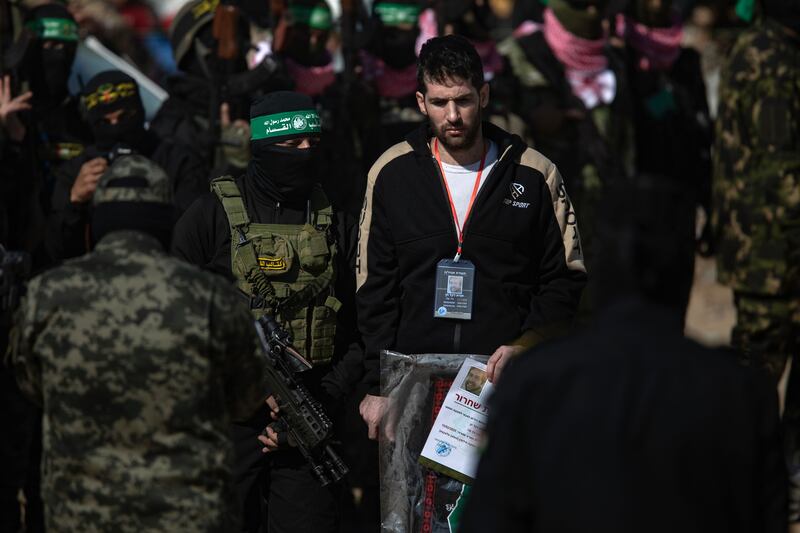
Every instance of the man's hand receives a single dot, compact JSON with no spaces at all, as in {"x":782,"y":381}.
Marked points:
{"x":235,"y":137}
{"x":86,"y":182}
{"x":9,"y":107}
{"x":499,"y":360}
{"x":225,"y":121}
{"x":270,"y":438}
{"x":372,"y":409}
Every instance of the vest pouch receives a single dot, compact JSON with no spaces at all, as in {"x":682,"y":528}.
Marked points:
{"x":323,"y":330}
{"x":297,"y":328}
{"x":274,"y":253}
{"x":296,"y":325}
{"x":313,"y":251}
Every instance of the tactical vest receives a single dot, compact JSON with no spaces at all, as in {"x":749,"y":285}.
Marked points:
{"x":289,"y":270}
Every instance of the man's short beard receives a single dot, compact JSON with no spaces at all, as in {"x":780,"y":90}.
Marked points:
{"x":463,"y":144}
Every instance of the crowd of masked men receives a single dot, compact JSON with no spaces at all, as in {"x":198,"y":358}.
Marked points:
{"x":606,"y":91}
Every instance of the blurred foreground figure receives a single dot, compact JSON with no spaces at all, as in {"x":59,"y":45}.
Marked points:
{"x":139,"y":362}
{"x":757,"y":203}
{"x":629,"y":426}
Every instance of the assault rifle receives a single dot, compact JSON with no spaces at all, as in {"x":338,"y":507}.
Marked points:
{"x":224,"y":30}
{"x":308,"y":426}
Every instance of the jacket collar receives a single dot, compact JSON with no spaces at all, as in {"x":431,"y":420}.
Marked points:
{"x":509,"y":146}
{"x":130,"y":241}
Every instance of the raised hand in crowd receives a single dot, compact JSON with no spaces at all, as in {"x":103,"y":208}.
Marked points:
{"x":9,"y":107}
{"x":86,"y":182}
{"x":235,"y":136}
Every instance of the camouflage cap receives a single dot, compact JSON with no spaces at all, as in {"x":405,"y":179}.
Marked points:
{"x":133,"y":178}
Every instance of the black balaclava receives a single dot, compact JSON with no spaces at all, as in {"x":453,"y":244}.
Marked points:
{"x":397,"y":30}
{"x":396,"y":47}
{"x":578,"y":18}
{"x":285,"y":174}
{"x":662,"y":17}
{"x":786,"y":12}
{"x":308,"y":18}
{"x":467,"y":17}
{"x":51,"y":63}
{"x":108,"y":92}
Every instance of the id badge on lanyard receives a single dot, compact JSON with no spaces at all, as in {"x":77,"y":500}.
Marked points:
{"x":455,"y":282}
{"x":455,"y":278}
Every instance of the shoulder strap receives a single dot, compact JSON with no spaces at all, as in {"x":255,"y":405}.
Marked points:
{"x":228,"y":193}
{"x":231,"y":198}
{"x":321,"y":207}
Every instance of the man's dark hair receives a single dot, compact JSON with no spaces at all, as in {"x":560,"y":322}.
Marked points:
{"x":451,"y":56}
{"x":645,"y":241}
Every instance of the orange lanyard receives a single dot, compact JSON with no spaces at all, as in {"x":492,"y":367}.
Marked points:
{"x":450,"y":196}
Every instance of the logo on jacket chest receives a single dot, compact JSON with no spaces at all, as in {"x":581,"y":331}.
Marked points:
{"x":517,"y":193}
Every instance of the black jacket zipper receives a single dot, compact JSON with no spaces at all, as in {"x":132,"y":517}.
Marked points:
{"x":437,"y":171}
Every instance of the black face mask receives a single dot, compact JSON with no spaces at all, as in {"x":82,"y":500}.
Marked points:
{"x":660,"y":18}
{"x":578,"y":20}
{"x":298,"y":46}
{"x":396,"y":47}
{"x":128,"y":130}
{"x":51,"y":73}
{"x":287,"y":174}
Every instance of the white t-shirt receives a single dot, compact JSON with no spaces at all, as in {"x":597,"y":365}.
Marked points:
{"x":461,"y":180}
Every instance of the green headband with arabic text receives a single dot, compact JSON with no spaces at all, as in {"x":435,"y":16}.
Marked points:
{"x":59,"y":29}
{"x":317,"y":17}
{"x":745,"y":9}
{"x":397,"y":14}
{"x":303,"y":122}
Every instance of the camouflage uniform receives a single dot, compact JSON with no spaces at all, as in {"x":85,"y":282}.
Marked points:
{"x":140,"y":361}
{"x":757,"y":199}
{"x":757,"y":206}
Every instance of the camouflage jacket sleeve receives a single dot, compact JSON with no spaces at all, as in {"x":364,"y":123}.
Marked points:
{"x":234,"y":339}
{"x":757,"y":164}
{"x":27,"y":364}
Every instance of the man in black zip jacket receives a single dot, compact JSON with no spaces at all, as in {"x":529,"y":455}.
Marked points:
{"x":462,"y":198}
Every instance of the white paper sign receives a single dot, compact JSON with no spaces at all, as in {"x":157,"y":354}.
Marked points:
{"x":457,"y":433}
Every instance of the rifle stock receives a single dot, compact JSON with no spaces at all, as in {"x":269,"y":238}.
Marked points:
{"x":277,"y":8}
{"x":226,"y":18}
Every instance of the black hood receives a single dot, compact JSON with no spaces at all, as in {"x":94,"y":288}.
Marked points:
{"x":114,"y":92}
